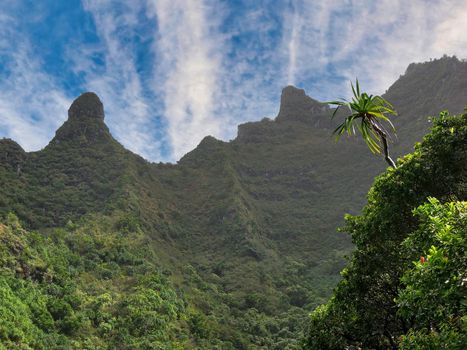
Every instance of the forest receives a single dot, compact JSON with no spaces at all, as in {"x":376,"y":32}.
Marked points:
{"x":278,"y":239}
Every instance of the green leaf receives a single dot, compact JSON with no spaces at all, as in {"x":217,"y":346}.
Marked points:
{"x":370,"y":109}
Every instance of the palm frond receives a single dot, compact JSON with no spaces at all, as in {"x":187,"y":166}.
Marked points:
{"x":372,"y":110}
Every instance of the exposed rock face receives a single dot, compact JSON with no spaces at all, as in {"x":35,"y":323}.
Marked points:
{"x":85,"y":122}
{"x":297,"y":106}
{"x":254,"y":132}
{"x":87,"y":105}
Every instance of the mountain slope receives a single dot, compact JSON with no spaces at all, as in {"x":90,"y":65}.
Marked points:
{"x":424,"y":90}
{"x":246,"y":228}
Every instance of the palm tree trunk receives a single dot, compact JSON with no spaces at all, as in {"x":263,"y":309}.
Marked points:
{"x":382,"y":134}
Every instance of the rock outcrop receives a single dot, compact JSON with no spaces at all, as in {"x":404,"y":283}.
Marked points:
{"x":85,"y":122}
{"x":297,"y":106}
{"x":87,"y":105}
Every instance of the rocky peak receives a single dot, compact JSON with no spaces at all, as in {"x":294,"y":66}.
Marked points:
{"x":85,"y":122}
{"x":297,"y":106}
{"x":87,"y":105}
{"x":426,"y":89}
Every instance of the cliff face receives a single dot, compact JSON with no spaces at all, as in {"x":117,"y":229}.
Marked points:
{"x":295,"y":107}
{"x":425,"y":90}
{"x":255,"y":215}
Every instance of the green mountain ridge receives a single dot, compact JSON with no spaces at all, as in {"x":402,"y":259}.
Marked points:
{"x":246,"y":228}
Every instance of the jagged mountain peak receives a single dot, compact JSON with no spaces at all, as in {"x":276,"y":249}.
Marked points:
{"x":447,"y":62}
{"x":292,"y":90}
{"x":424,"y":90}
{"x":297,"y":106}
{"x":249,"y":225}
{"x":85,"y":122}
{"x":87,"y":105}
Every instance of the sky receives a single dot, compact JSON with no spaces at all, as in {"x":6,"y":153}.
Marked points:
{"x":171,"y":72}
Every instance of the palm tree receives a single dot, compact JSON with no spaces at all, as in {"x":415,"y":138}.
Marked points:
{"x":367,"y":113}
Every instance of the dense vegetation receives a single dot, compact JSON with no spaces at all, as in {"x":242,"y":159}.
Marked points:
{"x":230,"y":248}
{"x":89,"y":287}
{"x":405,"y":285}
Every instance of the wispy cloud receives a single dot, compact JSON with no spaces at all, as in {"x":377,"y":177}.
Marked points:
{"x":188,"y":66}
{"x":32,"y":104}
{"x":254,"y":65}
{"x":294,"y":44}
{"x":117,"y":81}
{"x":173,"y":71}
{"x":375,"y":41}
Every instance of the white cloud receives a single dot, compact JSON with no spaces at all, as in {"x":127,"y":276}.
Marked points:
{"x":119,"y":84}
{"x":210,"y":65}
{"x":374,"y":41}
{"x":32,"y":105}
{"x":293,"y":46}
{"x":254,"y":65}
{"x":451,"y":32}
{"x":188,"y":66}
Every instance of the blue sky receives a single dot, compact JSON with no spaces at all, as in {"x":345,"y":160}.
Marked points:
{"x":170,"y":72}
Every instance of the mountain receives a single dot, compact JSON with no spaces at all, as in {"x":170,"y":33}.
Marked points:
{"x":245,"y":230}
{"x":424,"y":90}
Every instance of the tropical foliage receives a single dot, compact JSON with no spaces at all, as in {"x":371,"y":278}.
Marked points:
{"x":367,"y":113}
{"x":230,"y":248}
{"x":405,"y":284}
{"x":432,"y":299}
{"x":85,"y":288}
